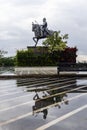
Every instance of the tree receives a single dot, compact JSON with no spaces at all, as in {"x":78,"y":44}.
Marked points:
{"x":56,"y":42}
{"x":8,"y":61}
{"x":2,"y":52}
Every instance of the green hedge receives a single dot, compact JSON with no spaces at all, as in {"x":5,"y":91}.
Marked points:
{"x":29,"y":58}
{"x":36,"y":57}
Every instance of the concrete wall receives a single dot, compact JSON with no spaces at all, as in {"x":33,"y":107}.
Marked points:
{"x":35,"y":70}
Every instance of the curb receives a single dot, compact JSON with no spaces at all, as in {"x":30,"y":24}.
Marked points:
{"x":41,"y":76}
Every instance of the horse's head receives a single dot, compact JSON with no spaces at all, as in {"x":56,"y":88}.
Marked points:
{"x":34,"y":27}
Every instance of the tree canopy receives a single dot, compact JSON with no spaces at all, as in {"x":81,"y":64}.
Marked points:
{"x":56,"y":42}
{"x":2,"y":53}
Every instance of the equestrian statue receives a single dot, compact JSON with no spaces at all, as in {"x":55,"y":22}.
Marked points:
{"x":41,"y":31}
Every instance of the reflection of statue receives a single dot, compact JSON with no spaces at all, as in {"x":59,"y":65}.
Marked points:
{"x":41,"y":104}
{"x":38,"y":105}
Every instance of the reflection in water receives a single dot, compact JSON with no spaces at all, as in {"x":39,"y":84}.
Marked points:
{"x":50,"y":94}
{"x":47,"y":95}
{"x":42,"y":105}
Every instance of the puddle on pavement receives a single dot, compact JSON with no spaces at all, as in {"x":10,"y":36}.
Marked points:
{"x":47,"y":96}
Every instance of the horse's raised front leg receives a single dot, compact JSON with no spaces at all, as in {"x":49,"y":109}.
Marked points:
{"x":35,"y":40}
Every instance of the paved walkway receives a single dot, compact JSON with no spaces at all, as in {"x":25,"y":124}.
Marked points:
{"x":43,"y":104}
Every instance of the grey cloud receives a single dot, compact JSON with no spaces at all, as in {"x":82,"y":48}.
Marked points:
{"x":24,"y":2}
{"x":68,"y":16}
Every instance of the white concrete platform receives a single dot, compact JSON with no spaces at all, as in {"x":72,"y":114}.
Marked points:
{"x":35,"y":70}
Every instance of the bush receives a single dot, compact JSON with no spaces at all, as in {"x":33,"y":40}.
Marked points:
{"x":7,"y":61}
{"x":45,"y":58}
{"x":28,"y":58}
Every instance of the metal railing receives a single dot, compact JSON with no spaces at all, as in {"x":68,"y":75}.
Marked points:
{"x":71,"y":67}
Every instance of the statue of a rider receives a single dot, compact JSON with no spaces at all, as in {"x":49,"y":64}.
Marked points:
{"x":41,"y":31}
{"x":44,"y":27}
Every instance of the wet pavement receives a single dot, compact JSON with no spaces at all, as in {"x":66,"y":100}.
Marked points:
{"x":43,"y":103}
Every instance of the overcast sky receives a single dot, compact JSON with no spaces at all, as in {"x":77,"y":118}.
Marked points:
{"x":16,"y":17}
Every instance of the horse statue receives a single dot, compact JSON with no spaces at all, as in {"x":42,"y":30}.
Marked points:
{"x":40,"y":33}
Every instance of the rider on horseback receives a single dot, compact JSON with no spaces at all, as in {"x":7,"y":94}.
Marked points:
{"x":41,"y":31}
{"x":44,"y":27}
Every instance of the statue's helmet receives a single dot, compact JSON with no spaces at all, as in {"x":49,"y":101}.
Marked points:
{"x":44,"y":19}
